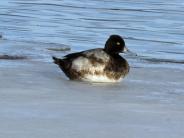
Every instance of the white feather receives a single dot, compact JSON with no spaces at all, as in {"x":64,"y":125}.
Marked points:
{"x":98,"y":78}
{"x":82,"y":63}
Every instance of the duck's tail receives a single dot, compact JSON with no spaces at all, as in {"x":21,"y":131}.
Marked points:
{"x":57,"y":60}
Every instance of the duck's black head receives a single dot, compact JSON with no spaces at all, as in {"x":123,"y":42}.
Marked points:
{"x":115,"y":44}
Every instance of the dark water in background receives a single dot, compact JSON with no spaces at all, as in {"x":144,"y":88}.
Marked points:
{"x":153,"y":29}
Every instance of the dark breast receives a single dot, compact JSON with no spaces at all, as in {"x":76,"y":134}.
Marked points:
{"x":117,"y":67}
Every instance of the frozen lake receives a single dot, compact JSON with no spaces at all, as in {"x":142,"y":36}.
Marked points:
{"x":38,"y":101}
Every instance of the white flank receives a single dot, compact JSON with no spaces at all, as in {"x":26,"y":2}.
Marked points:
{"x":82,"y":63}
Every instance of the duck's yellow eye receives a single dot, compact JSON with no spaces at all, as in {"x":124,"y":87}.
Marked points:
{"x":118,"y":43}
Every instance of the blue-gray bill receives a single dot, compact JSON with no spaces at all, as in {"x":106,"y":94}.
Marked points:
{"x":126,"y":50}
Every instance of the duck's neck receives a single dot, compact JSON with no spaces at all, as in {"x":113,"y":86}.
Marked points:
{"x":115,"y":55}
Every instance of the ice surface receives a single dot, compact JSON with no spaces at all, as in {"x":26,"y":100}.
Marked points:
{"x":38,"y":101}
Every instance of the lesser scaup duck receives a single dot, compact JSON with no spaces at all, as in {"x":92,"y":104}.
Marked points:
{"x":97,"y":65}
